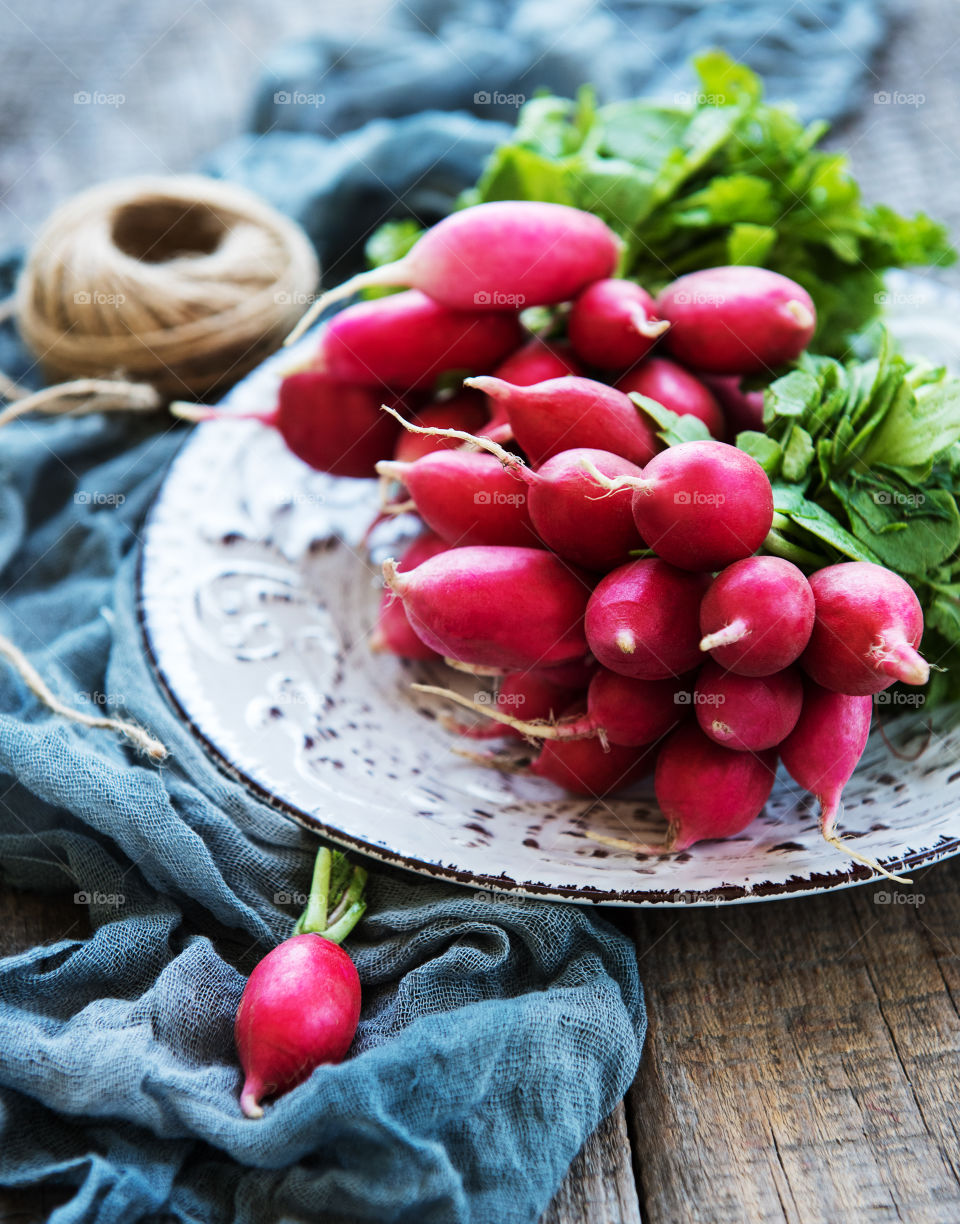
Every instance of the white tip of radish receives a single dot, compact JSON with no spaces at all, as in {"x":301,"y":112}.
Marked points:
{"x":392,"y":469}
{"x":905,"y":664}
{"x":802,"y":315}
{"x":626,"y":642}
{"x":829,"y":813}
{"x":721,"y":729}
{"x":392,"y":577}
{"x":734,"y":632}
{"x":249,"y":1103}
{"x":647,"y":327}
{"x":496,"y":388}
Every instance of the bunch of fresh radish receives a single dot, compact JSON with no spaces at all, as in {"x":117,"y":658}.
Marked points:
{"x":616,"y":586}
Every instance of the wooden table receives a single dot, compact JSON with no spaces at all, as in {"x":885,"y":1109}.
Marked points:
{"x":802,"y":1063}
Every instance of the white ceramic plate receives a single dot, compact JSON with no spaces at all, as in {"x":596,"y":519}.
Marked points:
{"x":257,"y":597}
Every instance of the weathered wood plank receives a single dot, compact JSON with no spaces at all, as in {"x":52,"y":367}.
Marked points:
{"x":803,"y":1062}
{"x":599,"y":1187}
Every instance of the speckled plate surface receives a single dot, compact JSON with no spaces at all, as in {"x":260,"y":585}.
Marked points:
{"x":257,"y":597}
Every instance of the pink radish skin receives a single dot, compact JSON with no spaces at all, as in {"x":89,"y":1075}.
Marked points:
{"x":613,"y":324}
{"x":867,"y":627}
{"x":393,"y":631}
{"x":512,"y":608}
{"x":567,"y":413}
{"x":465,"y":411}
{"x":643,"y":620}
{"x":736,"y":320}
{"x":757,"y":616}
{"x":621,"y":711}
{"x":593,"y":531}
{"x":742,"y":409}
{"x":747,"y":713}
{"x":706,"y":791}
{"x":300,"y":1009}
{"x":333,"y":426}
{"x":585,"y":767}
{"x":677,"y":389}
{"x":529,"y":696}
{"x":701,"y":505}
{"x":823,"y":750}
{"x":504,"y":255}
{"x":407,"y":340}
{"x":536,"y":361}
{"x":467,"y":498}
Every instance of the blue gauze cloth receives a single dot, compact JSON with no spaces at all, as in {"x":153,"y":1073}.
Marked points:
{"x":494,"y":1037}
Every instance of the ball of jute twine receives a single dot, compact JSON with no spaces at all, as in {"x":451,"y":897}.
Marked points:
{"x":144,"y":289}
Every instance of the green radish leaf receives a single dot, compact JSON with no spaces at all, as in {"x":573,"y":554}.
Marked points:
{"x":798,"y":454}
{"x":793,"y":395}
{"x":920,"y":425}
{"x":763,"y":448}
{"x":673,"y":428}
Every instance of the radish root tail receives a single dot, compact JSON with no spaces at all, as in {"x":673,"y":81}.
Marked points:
{"x":538,"y":729}
{"x":508,"y":459}
{"x":828,"y":827}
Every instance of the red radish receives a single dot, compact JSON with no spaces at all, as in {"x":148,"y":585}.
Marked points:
{"x":574,"y":675}
{"x":700,"y":505}
{"x":530,"y":695}
{"x":504,"y":255}
{"x":586,"y":767}
{"x":677,"y":389}
{"x":514,"y":608}
{"x":742,"y":409}
{"x":867,"y":627}
{"x":393,"y":631}
{"x":736,"y":320}
{"x":757,"y":616}
{"x":748,"y":713}
{"x":535,"y":362}
{"x":467,"y":498}
{"x":301,"y":1005}
{"x":622,"y":711}
{"x":613,"y":324}
{"x":706,"y":791}
{"x":642,"y":620}
{"x":465,"y":411}
{"x":332,"y":425}
{"x":407,"y":340}
{"x":595,"y":532}
{"x":823,"y":750}
{"x":565,"y":413}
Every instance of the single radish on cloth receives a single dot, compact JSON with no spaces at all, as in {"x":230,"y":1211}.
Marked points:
{"x":867,"y":627}
{"x":643,"y":620}
{"x":502,"y":255}
{"x":748,"y":713}
{"x":757,"y":616}
{"x":466,"y":411}
{"x":301,"y":1005}
{"x":675,"y":388}
{"x":613,"y":324}
{"x":406,"y":340}
{"x":467,"y":498}
{"x":823,"y":750}
{"x":565,"y":413}
{"x":511,"y":608}
{"x":706,"y":791}
{"x":699,"y":505}
{"x":333,"y":425}
{"x":393,"y":632}
{"x":737,"y":319}
{"x":620,"y":710}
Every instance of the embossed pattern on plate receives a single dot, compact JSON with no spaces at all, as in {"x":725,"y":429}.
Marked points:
{"x":257,"y":597}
